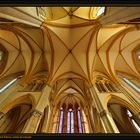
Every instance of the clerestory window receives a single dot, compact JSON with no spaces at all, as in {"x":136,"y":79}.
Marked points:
{"x":130,"y":115}
{"x":8,"y":85}
{"x":131,"y":84}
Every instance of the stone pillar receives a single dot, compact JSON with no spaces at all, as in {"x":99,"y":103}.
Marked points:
{"x":64,"y":128}
{"x":45,"y":121}
{"x":112,"y":87}
{"x":108,"y":86}
{"x":98,"y":87}
{"x":102,"y":87}
{"x":43,"y":101}
{"x":91,"y":120}
{"x":55,"y":121}
{"x":35,"y":117}
{"x":106,"y":119}
{"x":108,"y":122}
{"x":75,"y":121}
{"x":84,"y":122}
{"x":32,"y":123}
{"x":97,"y":122}
{"x":107,"y":90}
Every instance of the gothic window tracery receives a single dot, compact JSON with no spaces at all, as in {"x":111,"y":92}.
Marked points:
{"x":72,"y":118}
{"x":79,"y":120}
{"x":61,"y":120}
{"x":70,"y":121}
{"x":105,"y":86}
{"x":130,"y":116}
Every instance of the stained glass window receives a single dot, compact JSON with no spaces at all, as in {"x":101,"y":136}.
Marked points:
{"x":9,"y":84}
{"x":70,"y":121}
{"x":100,"y":11}
{"x":133,"y":121}
{"x":79,"y":120}
{"x":60,"y":121}
{"x":129,"y":113}
{"x":136,"y":125}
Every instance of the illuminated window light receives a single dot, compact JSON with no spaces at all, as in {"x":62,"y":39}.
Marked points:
{"x":139,"y":55}
{"x":9,"y":84}
{"x":70,"y":121}
{"x":133,"y":121}
{"x":79,"y":121}
{"x":100,"y":11}
{"x":131,"y":84}
{"x":136,"y":125}
{"x":61,"y":121}
{"x":129,"y":113}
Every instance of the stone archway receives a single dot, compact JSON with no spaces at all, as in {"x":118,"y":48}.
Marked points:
{"x":119,"y":110}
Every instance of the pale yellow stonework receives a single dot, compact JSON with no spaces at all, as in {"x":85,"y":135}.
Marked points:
{"x":69,"y":57}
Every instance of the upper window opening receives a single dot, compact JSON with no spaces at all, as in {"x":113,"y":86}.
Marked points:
{"x":8,"y":85}
{"x":73,"y":120}
{"x":130,"y":115}
{"x":138,"y":55}
{"x":131,"y":84}
{"x":70,"y":121}
{"x":100,"y":11}
{"x":61,"y":120}
{"x":79,"y":120}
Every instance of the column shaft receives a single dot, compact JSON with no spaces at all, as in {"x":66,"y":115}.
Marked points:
{"x":33,"y":122}
{"x":107,"y":121}
{"x":75,"y":121}
{"x":130,"y":96}
{"x":45,"y":121}
{"x":64,"y":130}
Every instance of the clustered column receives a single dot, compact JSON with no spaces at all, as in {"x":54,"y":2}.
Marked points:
{"x":104,"y":86}
{"x":32,"y":123}
{"x":105,"y":117}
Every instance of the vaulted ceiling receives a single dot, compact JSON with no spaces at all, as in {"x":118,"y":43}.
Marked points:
{"x":69,"y":48}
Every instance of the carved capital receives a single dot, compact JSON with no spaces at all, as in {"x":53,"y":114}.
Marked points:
{"x":36,"y":113}
{"x":103,"y":113}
